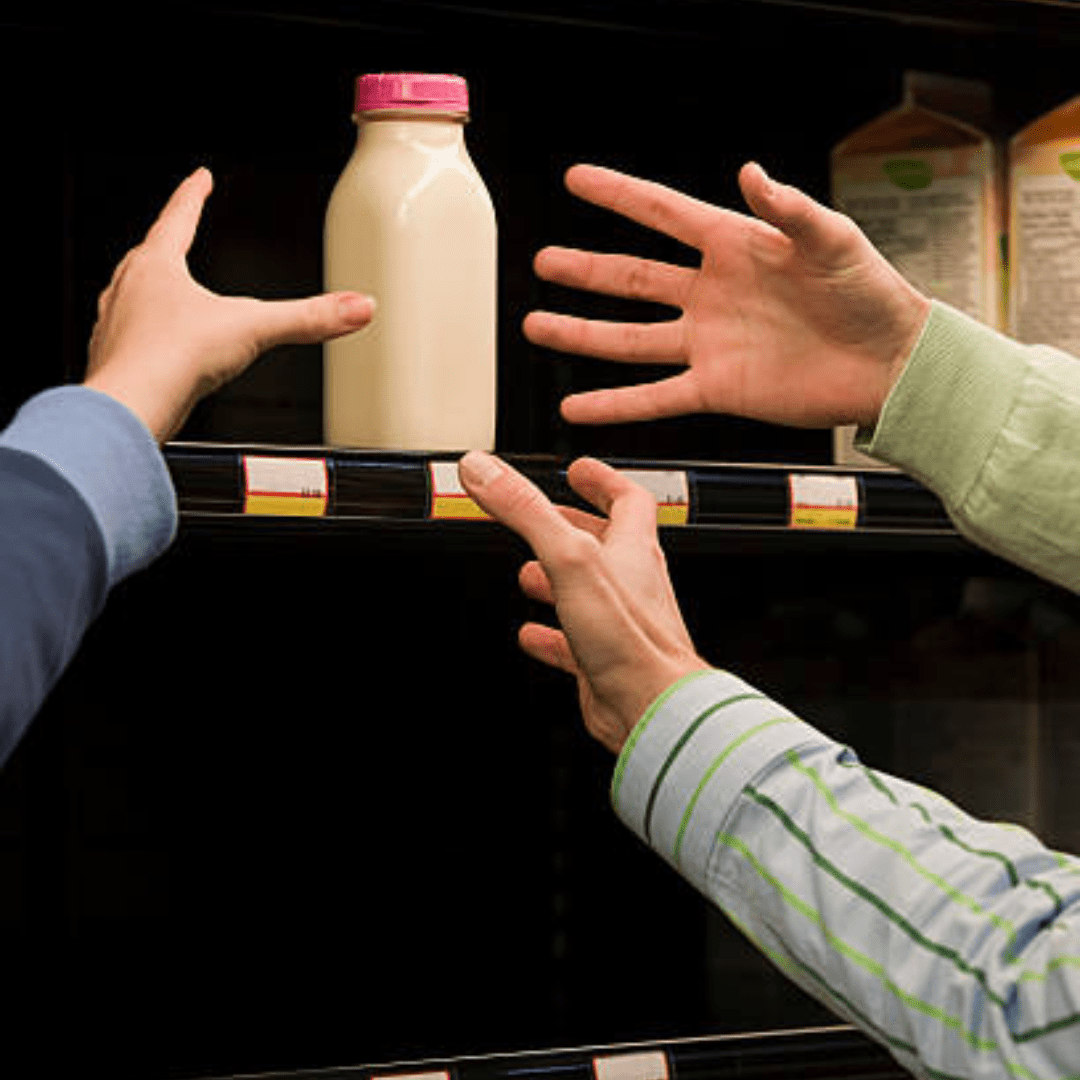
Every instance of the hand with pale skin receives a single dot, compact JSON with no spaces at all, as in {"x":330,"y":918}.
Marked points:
{"x":792,"y":317}
{"x":622,"y":635}
{"x":162,"y":342}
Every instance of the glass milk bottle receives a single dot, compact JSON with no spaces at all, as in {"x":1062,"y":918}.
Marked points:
{"x":411,"y":224}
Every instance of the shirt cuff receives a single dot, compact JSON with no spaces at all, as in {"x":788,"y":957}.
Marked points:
{"x":943,"y":414}
{"x":111,"y":458}
{"x":689,"y":758}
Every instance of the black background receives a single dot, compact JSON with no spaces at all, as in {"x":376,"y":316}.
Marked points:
{"x":302,"y":803}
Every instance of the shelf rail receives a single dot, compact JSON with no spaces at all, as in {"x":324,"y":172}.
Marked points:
{"x":825,"y":1053}
{"x":225,"y":480}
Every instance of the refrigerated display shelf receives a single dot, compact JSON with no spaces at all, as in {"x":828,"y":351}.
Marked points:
{"x":685,"y":18}
{"x":827,"y":1053}
{"x":244,"y":486}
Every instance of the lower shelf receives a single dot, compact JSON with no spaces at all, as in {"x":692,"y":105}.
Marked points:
{"x":826,"y":1053}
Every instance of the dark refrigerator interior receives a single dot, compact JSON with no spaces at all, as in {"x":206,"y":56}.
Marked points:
{"x":300,"y":801}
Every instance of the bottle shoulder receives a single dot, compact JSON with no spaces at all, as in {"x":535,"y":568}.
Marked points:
{"x":453,"y":202}
{"x":396,"y":170}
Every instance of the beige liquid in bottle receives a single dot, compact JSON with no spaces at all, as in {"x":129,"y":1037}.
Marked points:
{"x":411,"y":224}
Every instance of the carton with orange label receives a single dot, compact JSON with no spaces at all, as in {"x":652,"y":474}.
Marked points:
{"x":1044,"y":228}
{"x":925,"y":188}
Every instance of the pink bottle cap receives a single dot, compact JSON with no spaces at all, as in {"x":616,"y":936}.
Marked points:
{"x":409,"y":90}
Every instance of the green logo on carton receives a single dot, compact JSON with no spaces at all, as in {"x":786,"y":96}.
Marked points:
{"x":909,"y":174}
{"x":1071,"y":164}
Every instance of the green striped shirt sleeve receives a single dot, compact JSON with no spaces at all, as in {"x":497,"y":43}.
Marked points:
{"x":691,"y":754}
{"x":954,"y":942}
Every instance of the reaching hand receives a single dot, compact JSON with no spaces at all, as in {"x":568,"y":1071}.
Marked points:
{"x":622,"y":634}
{"x":794,"y":318}
{"x":162,"y":341}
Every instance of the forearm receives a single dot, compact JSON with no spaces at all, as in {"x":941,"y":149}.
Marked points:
{"x":149,"y":395}
{"x":53,"y":580}
{"x":993,"y":428}
{"x":87,"y":501}
{"x":950,"y":941}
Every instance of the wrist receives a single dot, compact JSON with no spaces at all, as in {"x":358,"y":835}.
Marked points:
{"x":660,"y":689}
{"x":912,"y":322}
{"x":143,"y":402}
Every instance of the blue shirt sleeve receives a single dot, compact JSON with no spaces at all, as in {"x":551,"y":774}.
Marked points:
{"x":86,"y":500}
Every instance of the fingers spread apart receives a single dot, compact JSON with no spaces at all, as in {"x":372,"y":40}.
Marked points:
{"x":549,"y":646}
{"x":678,"y":396}
{"x":644,"y":201}
{"x":615,"y":275}
{"x":174,"y":230}
{"x":535,"y":583}
{"x":819,"y":232}
{"x":515,"y":501}
{"x":630,"y":509}
{"x":639,"y":343}
{"x":590,"y":523}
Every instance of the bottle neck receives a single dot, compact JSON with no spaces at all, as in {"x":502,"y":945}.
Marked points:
{"x":433,"y":131}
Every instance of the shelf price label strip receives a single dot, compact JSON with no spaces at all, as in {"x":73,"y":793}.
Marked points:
{"x":671,"y":491}
{"x":820,"y":501}
{"x":450,"y":501}
{"x":651,"y":1065}
{"x":441,"y":1075}
{"x":294,"y":487}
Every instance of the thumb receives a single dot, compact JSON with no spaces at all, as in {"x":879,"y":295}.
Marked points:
{"x":819,"y":231}
{"x":310,"y":320}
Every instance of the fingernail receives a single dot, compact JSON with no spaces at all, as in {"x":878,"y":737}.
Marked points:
{"x":479,"y":468}
{"x":356,"y":307}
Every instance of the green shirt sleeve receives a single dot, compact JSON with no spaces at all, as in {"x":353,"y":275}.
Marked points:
{"x":992,"y":427}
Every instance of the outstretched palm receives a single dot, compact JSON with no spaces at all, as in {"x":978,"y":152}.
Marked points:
{"x":793,"y":317}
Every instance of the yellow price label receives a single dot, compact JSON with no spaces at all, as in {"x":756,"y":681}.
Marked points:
{"x":671,"y":490}
{"x":823,"y":501}
{"x":289,"y":487}
{"x":450,"y":501}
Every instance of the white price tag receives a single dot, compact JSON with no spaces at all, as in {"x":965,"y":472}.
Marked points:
{"x":441,"y":1075}
{"x":296,"y":487}
{"x":449,"y":500}
{"x":651,"y":1065}
{"x":671,"y":490}
{"x":823,"y":501}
